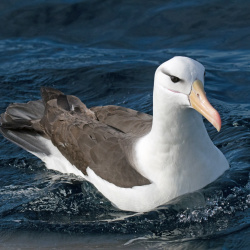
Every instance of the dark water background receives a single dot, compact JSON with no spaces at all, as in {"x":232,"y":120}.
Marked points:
{"x":106,"y":52}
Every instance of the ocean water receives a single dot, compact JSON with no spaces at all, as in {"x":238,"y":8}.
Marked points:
{"x":106,"y":52}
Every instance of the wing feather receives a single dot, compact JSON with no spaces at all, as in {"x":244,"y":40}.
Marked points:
{"x":101,"y":138}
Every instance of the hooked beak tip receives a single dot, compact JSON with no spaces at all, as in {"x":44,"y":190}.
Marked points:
{"x":217,"y":121}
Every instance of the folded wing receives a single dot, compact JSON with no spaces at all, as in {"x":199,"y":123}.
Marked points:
{"x":101,"y":138}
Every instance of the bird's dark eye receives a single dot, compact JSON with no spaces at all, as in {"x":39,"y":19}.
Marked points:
{"x":174,"y":79}
{"x":204,"y":73}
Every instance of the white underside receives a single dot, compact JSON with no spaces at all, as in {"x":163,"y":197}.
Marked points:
{"x":139,"y":198}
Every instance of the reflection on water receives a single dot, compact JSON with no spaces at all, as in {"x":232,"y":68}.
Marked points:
{"x":106,"y":53}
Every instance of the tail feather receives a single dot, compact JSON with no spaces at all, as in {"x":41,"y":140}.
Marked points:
{"x":28,"y":140}
{"x":18,"y":114}
{"x":18,"y":124}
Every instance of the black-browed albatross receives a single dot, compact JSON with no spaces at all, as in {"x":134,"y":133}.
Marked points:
{"x":137,"y":161}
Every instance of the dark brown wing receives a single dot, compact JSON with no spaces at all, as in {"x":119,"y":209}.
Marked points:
{"x":92,"y":138}
{"x":126,"y":120}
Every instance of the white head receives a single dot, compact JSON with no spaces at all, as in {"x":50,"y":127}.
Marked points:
{"x":180,"y":81}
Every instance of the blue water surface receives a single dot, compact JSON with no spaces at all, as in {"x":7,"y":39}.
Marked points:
{"x":106,"y":52}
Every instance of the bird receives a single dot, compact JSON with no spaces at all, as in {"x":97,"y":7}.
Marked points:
{"x":137,"y":161}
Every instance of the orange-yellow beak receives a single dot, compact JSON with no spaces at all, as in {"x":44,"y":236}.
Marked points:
{"x":200,"y":103}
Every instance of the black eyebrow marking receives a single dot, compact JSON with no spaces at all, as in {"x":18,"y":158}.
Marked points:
{"x":165,"y":72}
{"x":168,"y":74}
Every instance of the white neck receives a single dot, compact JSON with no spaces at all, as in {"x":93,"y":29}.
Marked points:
{"x":177,"y":154}
{"x":174,"y":123}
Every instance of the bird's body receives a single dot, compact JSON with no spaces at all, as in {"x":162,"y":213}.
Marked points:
{"x":137,"y":161}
